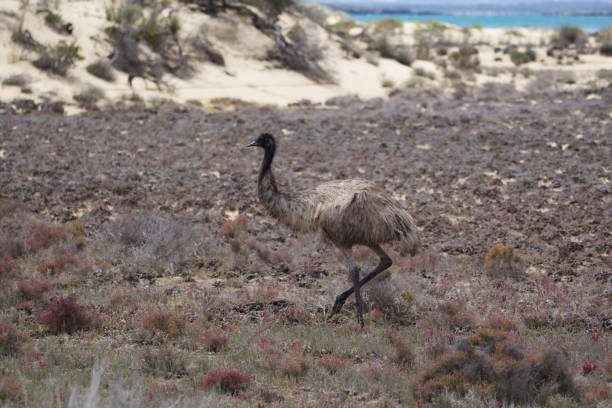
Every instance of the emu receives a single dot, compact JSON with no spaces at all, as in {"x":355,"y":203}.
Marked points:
{"x":346,"y":213}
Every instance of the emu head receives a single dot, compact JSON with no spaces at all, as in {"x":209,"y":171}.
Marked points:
{"x":265,"y":141}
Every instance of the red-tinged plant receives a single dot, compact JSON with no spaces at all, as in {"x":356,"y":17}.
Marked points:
{"x":10,"y":388}
{"x":41,"y":235}
{"x":293,"y":365}
{"x":58,"y":264}
{"x":13,"y":247}
{"x":6,"y":265}
{"x":11,"y":339}
{"x":33,"y":289}
{"x":588,"y":367}
{"x":607,"y":367}
{"x":215,"y":339}
{"x":332,"y":363}
{"x":498,"y":320}
{"x":163,"y":320}
{"x":226,"y":380}
{"x":65,"y":315}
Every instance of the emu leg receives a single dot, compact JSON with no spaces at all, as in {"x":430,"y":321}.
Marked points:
{"x":356,"y":287}
{"x":385,"y":262}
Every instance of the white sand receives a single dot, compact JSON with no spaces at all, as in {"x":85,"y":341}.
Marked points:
{"x":247,"y":74}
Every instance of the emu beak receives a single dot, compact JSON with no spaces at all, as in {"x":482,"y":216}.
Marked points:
{"x":253,"y":143}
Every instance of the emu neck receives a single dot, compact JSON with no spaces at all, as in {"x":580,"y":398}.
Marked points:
{"x":266,"y":178}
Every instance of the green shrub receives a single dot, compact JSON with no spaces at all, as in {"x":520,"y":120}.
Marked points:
{"x":388,"y":25}
{"x":53,"y":20}
{"x":88,"y":97}
{"x":59,"y":58}
{"x":519,"y":57}
{"x":465,"y":58}
{"x":568,"y":35}
{"x":15,"y":80}
{"x":101,"y":69}
{"x":606,"y":50}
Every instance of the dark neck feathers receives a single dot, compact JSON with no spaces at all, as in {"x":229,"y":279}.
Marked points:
{"x":266,"y":166}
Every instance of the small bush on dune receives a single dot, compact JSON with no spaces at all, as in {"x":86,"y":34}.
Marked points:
{"x":59,"y":58}
{"x":606,"y":50}
{"x":569,"y":35}
{"x":11,"y":339}
{"x":15,"y":80}
{"x":520,"y":57}
{"x":88,"y":97}
{"x":101,"y":69}
{"x":465,"y":58}
{"x":229,"y":381}
{"x":65,"y":315}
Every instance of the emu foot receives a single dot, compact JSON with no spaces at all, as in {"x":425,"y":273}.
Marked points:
{"x":337,"y":305}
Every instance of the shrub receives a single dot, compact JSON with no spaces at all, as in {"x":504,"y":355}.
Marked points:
{"x":293,"y":365}
{"x":387,"y":26}
{"x":226,"y":380}
{"x":465,"y":59}
{"x":88,"y":97}
{"x":215,"y":339}
{"x":15,"y":80}
{"x":488,"y":362}
{"x":149,"y":243}
{"x":65,"y":315}
{"x":232,"y":228}
{"x":569,"y":35}
{"x":164,"y":362}
{"x":11,"y":339}
{"x":54,"y":20}
{"x":42,"y":235}
{"x":299,"y":55}
{"x":33,"y":289}
{"x":331,"y":363}
{"x":57,"y":265}
{"x":10,"y":388}
{"x":101,"y":69}
{"x":606,"y":50}
{"x":501,"y":261}
{"x":519,"y":57}
{"x":403,"y":353}
{"x":6,"y":265}
{"x":164,"y":321}
{"x":58,"y":59}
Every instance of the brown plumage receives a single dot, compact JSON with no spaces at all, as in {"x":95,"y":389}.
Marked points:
{"x":344,"y":212}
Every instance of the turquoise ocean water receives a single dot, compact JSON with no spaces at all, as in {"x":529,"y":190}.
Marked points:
{"x":587,"y":23}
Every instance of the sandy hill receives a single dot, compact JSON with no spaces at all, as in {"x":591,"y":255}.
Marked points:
{"x":345,"y":50}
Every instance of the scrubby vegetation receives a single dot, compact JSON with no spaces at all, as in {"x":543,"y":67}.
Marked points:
{"x":101,"y":69}
{"x":145,"y":271}
{"x":59,"y":58}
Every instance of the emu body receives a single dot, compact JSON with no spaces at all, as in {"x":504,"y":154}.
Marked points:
{"x":345,"y":212}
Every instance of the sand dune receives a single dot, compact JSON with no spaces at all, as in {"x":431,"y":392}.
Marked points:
{"x":248,"y":75}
